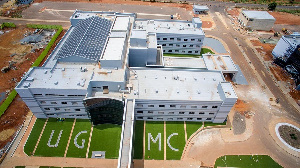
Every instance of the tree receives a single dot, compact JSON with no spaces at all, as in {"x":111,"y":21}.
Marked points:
{"x":272,"y":6}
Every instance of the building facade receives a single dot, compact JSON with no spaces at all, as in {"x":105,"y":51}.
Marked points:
{"x":256,"y":20}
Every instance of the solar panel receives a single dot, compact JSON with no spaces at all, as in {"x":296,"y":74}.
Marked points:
{"x":87,"y":40}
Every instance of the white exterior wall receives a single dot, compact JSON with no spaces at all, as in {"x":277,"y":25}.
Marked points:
{"x":256,"y":24}
{"x":180,"y":43}
{"x":170,"y":110}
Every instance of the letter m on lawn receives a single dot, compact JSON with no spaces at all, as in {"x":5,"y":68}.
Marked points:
{"x":158,"y":137}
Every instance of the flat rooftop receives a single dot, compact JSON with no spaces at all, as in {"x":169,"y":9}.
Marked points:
{"x":121,"y":23}
{"x":171,"y":84}
{"x":168,"y":26}
{"x":114,"y":49}
{"x":201,"y":7}
{"x":258,"y":14}
{"x":179,"y":62}
{"x":219,"y":62}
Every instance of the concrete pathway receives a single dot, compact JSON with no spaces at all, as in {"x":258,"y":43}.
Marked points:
{"x":66,"y":151}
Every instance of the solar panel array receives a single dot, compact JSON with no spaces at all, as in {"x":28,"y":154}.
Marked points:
{"x":87,"y":40}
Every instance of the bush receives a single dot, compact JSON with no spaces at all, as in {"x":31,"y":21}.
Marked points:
{"x":7,"y":101}
{"x":272,"y":6}
{"x":7,"y":24}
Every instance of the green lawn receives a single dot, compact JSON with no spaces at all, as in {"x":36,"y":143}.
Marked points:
{"x":80,"y":125}
{"x":106,"y":137}
{"x":43,"y":149}
{"x":192,"y":127}
{"x":246,"y":161}
{"x":34,"y":136}
{"x":176,"y":141}
{"x":206,"y":124}
{"x":154,"y":127}
{"x":138,"y":139}
{"x":205,"y":50}
{"x":181,"y":55}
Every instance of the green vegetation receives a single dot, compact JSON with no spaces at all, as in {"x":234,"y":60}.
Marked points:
{"x":192,"y":127}
{"x":272,"y":6}
{"x":80,"y":125}
{"x":43,"y":149}
{"x":34,"y":136}
{"x":177,"y":141}
{"x":106,"y":137}
{"x":246,"y":161}
{"x":138,"y":139}
{"x":296,"y":12}
{"x":7,"y":24}
{"x":19,"y":166}
{"x":181,"y":55}
{"x":206,"y":124}
{"x":7,"y":101}
{"x":206,"y":50}
{"x":154,"y":127}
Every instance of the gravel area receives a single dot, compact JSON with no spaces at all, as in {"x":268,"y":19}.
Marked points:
{"x":238,"y":123}
{"x":290,"y":135}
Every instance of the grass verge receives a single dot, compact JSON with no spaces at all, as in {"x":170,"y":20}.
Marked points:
{"x":206,"y":50}
{"x":138,"y":139}
{"x":154,"y":128}
{"x":176,"y":141}
{"x":246,"y":161}
{"x":82,"y":139}
{"x":106,"y":137}
{"x":206,"y":124}
{"x":34,"y":136}
{"x":43,"y":149}
{"x":192,"y":127}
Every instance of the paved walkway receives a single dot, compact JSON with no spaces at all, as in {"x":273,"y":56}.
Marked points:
{"x":215,"y":44}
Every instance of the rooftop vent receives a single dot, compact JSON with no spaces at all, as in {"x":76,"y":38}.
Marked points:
{"x":198,"y":91}
{"x":56,"y":82}
{"x":26,"y":85}
{"x":45,"y":72}
{"x":29,"y":79}
{"x":63,"y":69}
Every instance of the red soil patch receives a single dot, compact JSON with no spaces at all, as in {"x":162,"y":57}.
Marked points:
{"x":206,"y":24}
{"x":242,"y":107}
{"x":233,"y":12}
{"x":266,"y":50}
{"x":285,"y":18}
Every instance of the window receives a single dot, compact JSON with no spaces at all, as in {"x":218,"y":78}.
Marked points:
{"x":189,"y":51}
{"x":198,"y":46}
{"x":177,"y":45}
{"x":185,"y":40}
{"x":199,"y":40}
{"x":139,"y":117}
{"x":67,"y":109}
{"x":171,"y":113}
{"x":56,"y":109}
{"x":47,"y":109}
{"x":151,"y":105}
{"x":159,"y":118}
{"x":161,"y":106}
{"x":150,"y":112}
{"x":179,"y":118}
{"x":38,"y":94}
{"x":201,"y":113}
{"x":193,"y":106}
{"x":63,"y":102}
{"x":181,"y":112}
{"x":139,"y":105}
{"x":164,"y":50}
{"x":164,"y":38}
{"x":140,"y":112}
{"x":163,"y":44}
{"x":208,"y":119}
{"x":171,"y":38}
{"x":214,"y":106}
{"x":77,"y":109}
{"x":150,"y":118}
{"x":191,"y":45}
{"x":172,"y":105}
{"x":42,"y":102}
{"x":183,"y":51}
{"x":170,"y":119}
{"x":169,"y":50}
{"x":211,"y":113}
{"x":74,"y":103}
{"x":189,"y":118}
{"x":182,"y":106}
{"x":192,"y":39}
{"x":191,"y":112}
{"x":204,"y":106}
{"x":199,"y":118}
{"x":183,"y":45}
{"x":171,"y":45}
{"x":196,"y":51}
{"x":158,"y":38}
{"x":177,"y":51}
{"x":160,"y":112}
{"x":53,"y":103}
{"x":178,"y":39}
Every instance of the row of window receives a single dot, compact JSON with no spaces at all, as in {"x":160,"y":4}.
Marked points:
{"x":79,"y":115}
{"x":63,"y":109}
{"x":175,"y":119}
{"x":180,"y":51}
{"x":39,"y":95}
{"x":181,"y":45}
{"x":177,"y":39}
{"x":174,"y":106}
{"x":73,"y":103}
{"x":170,"y":113}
